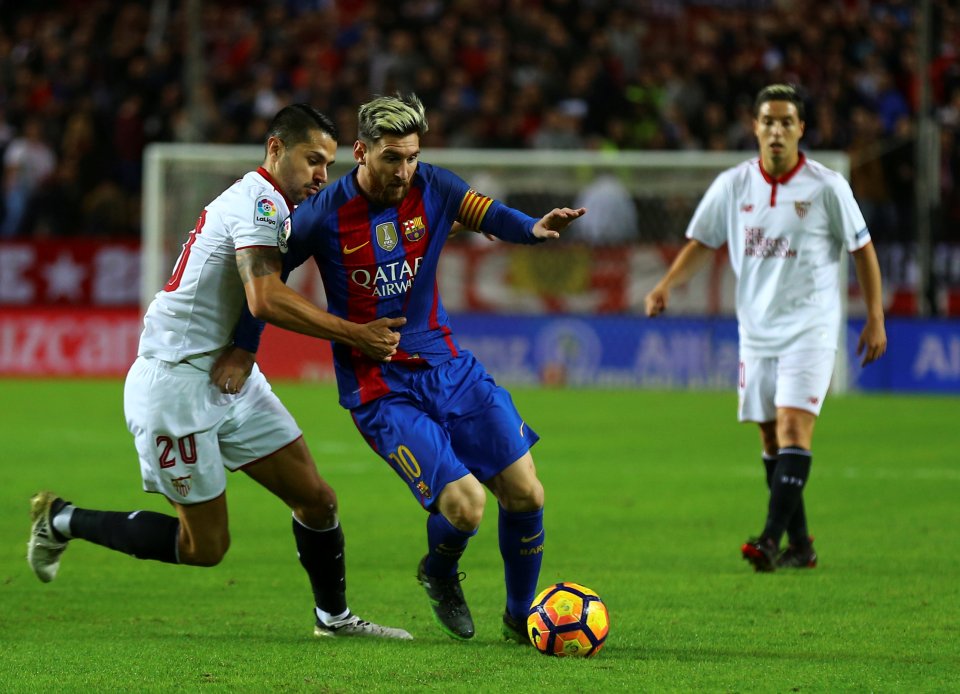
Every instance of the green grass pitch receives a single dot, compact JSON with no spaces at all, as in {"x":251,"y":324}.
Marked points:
{"x":649,"y":495}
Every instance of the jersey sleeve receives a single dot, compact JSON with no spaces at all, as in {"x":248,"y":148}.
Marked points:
{"x":503,"y":222}
{"x":259,"y":224}
{"x":711,"y":218}
{"x":846,"y":219}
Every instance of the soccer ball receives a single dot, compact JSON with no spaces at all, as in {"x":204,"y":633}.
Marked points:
{"x":568,"y":619}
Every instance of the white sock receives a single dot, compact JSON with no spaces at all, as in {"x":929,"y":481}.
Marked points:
{"x":61,"y":521}
{"x":329,"y":619}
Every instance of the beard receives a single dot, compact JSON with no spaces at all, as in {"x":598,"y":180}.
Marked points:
{"x":392,"y":195}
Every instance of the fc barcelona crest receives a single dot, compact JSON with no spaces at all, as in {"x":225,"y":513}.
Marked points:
{"x":414,"y":229}
{"x":387,"y":236}
{"x":801,"y":207}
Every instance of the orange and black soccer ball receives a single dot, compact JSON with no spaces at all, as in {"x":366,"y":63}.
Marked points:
{"x":568,"y":619}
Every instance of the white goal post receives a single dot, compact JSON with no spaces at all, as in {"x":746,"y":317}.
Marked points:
{"x":179,"y":179}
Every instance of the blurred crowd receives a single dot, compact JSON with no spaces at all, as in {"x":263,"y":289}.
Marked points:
{"x":85,"y":85}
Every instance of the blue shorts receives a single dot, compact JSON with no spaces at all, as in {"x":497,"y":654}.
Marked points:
{"x":442,"y":422}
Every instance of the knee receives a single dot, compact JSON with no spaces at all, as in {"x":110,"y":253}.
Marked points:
{"x":209,"y":552}
{"x":522,"y":495}
{"x":795,"y":427}
{"x":517,"y":488}
{"x":318,"y":508}
{"x":462,"y":503}
{"x":790,"y":433}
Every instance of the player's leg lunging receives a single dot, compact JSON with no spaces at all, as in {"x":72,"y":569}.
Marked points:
{"x":449,"y":528}
{"x":141,"y":534}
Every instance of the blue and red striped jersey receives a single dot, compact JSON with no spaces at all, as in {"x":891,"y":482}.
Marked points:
{"x":380,"y":262}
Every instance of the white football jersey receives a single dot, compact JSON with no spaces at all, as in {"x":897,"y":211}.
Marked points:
{"x":197,"y":310}
{"x":785,"y":239}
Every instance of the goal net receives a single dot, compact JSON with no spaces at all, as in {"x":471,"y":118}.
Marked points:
{"x":639,"y":205}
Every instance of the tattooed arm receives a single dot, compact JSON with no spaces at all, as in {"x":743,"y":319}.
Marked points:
{"x":270,"y":300}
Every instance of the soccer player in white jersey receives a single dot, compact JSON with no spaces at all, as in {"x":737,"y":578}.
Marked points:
{"x":186,"y":431}
{"x":786,"y":220}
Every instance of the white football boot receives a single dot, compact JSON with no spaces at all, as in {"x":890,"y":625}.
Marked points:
{"x":43,"y":548}
{"x":352,"y":625}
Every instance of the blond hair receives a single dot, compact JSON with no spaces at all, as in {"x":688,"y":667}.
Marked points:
{"x":402,"y":114}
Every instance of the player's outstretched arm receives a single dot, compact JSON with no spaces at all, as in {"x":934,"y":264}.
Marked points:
{"x":691,"y":258}
{"x":556,"y":220}
{"x":873,"y":338}
{"x":270,"y":300}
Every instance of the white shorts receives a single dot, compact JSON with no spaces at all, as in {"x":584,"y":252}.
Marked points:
{"x":798,"y":380}
{"x":187,"y":432}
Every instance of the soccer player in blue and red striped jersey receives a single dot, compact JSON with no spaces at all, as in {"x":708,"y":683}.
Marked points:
{"x":432,"y":412}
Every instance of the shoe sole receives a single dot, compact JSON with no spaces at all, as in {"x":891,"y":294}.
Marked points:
{"x":323,"y":633}
{"x":812,"y":564}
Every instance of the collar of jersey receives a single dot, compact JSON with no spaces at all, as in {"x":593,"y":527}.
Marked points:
{"x":266,"y":174}
{"x":785,"y":177}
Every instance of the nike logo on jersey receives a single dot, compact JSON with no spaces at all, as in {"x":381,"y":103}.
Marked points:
{"x":347,"y":250}
{"x":531,"y":538}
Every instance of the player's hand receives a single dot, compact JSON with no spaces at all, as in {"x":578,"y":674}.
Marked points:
{"x":656,"y":301}
{"x":873,"y":341}
{"x":232,"y":369}
{"x":555,"y":221}
{"x":378,"y":339}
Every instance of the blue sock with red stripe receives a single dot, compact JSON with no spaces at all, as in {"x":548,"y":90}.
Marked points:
{"x":521,"y":546}
{"x":446,"y":544}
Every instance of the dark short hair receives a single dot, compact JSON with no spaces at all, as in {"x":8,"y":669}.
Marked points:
{"x":294,"y":124}
{"x":401,"y":114}
{"x":779,"y":92}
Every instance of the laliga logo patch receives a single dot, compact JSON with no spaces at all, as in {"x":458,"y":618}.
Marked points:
{"x":266,"y":213}
{"x":283,"y":234}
